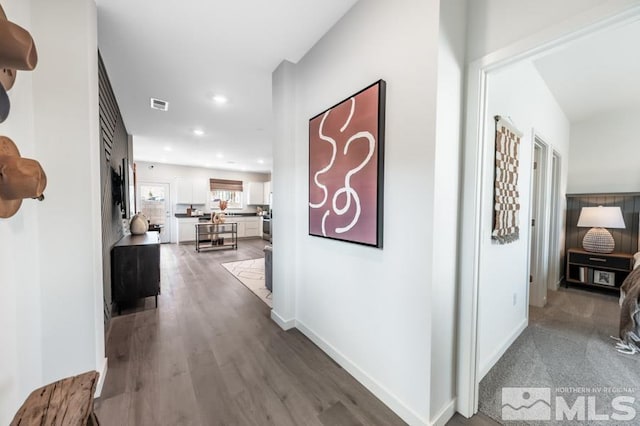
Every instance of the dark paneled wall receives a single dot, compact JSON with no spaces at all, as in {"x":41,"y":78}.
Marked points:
{"x":626,"y":239}
{"x":114,"y":142}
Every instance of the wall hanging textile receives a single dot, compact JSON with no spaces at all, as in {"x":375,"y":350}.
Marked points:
{"x":506,"y":203}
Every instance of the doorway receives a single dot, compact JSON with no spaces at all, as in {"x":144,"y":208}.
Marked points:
{"x":554,"y":263}
{"x":155,"y":204}
{"x":474,"y":211}
{"x":538,"y":256}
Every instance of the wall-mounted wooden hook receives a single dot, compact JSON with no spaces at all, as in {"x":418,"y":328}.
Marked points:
{"x":20,"y":178}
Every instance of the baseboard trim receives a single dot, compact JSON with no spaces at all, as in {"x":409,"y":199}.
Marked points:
{"x":283,"y":323}
{"x":390,"y":400}
{"x":445,"y":414}
{"x":103,"y":376}
{"x":501,"y":350}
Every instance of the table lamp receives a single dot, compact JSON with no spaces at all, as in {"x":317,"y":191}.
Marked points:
{"x":598,"y":239}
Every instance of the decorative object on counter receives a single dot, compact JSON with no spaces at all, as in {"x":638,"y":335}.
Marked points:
{"x":506,"y":204}
{"x":223,"y":204}
{"x":346,"y":168}
{"x":20,"y":178}
{"x":139,"y":224}
{"x":598,"y":239}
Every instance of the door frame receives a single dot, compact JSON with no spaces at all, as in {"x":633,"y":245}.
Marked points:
{"x":554,"y":275}
{"x":474,"y":164}
{"x":168,"y":224}
{"x":539,"y":267}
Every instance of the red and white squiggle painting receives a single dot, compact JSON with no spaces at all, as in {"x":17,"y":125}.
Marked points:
{"x":346,"y":153}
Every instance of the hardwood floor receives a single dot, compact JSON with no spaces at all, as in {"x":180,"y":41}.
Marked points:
{"x":477,"y":420}
{"x":210,"y":355}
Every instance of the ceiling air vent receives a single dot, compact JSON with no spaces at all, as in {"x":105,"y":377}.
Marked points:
{"x":159,"y":104}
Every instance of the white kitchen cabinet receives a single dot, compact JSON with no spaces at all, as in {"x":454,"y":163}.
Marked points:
{"x":241,"y":228}
{"x":184,"y":191}
{"x":255,"y":193}
{"x":191,"y":191}
{"x":186,"y":229}
{"x":201,"y":191}
{"x":267,"y":193}
{"x":252,"y":227}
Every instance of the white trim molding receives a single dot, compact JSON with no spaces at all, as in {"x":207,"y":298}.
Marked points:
{"x":283,"y":323}
{"x":382,"y":393}
{"x":103,"y":375}
{"x":502,"y":349}
{"x":447,"y":412}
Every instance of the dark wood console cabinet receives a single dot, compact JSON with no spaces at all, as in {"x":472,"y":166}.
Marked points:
{"x":598,"y":270}
{"x":135,"y":268}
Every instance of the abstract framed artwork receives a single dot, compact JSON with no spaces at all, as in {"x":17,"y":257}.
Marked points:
{"x":346,"y":168}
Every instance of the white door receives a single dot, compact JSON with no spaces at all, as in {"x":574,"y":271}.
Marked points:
{"x":155,"y":204}
{"x":537,"y":277}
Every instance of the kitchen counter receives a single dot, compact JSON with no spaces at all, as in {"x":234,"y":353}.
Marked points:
{"x":184,"y":215}
{"x":249,"y":226}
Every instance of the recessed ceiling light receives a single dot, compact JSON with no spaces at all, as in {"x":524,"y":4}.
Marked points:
{"x":168,"y":148}
{"x":260,"y":161}
{"x":220,"y":99}
{"x":220,"y":155}
{"x":198,"y":132}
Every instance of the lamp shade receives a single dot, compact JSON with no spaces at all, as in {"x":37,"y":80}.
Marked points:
{"x":601,"y":217}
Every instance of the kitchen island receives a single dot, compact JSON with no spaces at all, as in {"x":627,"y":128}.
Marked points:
{"x":248,"y":226}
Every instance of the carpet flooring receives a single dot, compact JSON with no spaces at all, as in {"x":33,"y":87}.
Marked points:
{"x":251,"y":274}
{"x":566,"y":345}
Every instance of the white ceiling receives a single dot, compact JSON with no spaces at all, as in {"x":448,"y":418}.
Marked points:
{"x":595,"y":74}
{"x":185,"y":52}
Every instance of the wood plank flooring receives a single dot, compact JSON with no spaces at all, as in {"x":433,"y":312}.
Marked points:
{"x":210,"y":355}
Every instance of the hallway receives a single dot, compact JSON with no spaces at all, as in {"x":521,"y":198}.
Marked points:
{"x":210,"y":355}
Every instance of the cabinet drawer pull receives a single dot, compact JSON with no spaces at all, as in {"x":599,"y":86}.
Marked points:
{"x":597,"y":259}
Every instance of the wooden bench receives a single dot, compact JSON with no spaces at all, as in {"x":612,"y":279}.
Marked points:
{"x":67,"y":402}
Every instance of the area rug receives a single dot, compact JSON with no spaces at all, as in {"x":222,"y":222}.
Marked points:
{"x":251,"y":274}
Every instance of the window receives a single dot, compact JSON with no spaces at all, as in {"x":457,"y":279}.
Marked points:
{"x":229,"y":190}
{"x":234,"y":199}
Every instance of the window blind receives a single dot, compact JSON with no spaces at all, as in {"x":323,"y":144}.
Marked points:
{"x":225,"y":185}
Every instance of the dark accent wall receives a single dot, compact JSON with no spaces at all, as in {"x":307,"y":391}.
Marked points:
{"x":626,"y":239}
{"x":114,"y":142}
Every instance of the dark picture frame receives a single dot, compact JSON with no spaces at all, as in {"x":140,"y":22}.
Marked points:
{"x":346,"y":168}
{"x":607,"y":278}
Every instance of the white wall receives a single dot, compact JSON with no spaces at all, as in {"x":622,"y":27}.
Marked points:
{"x":167,"y":173}
{"x":520,"y":93}
{"x":603,"y":155}
{"x":20,"y":328}
{"x":495,"y":24}
{"x":370,"y":309}
{"x":451,"y":67}
{"x":51,"y":323}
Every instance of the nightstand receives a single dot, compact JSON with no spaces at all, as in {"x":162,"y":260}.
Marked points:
{"x":599,"y":270}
